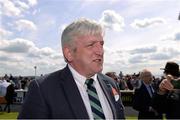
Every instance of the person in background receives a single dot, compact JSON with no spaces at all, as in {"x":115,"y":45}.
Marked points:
{"x":135,"y":81}
{"x":3,"y":86}
{"x":143,"y":97}
{"x":9,"y":97}
{"x":128,"y":82}
{"x":122,"y":84}
{"x":6,"y":92}
{"x":80,"y":90}
{"x":167,"y":99}
{"x":113,"y":76}
{"x":2,"y":91}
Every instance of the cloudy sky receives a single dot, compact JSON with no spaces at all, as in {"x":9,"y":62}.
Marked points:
{"x":139,"y":33}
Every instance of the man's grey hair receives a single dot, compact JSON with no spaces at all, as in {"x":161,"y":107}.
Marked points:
{"x":81,"y":27}
{"x":143,"y":73}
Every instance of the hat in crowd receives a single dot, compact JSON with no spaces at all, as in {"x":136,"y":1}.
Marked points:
{"x":172,"y":68}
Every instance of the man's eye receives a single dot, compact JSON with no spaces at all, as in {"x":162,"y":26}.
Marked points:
{"x":102,"y":43}
{"x":90,"y":45}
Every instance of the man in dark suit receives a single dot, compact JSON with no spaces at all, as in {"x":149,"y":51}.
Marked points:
{"x":9,"y":97}
{"x":167,"y":99}
{"x":143,"y":97}
{"x":63,"y":94}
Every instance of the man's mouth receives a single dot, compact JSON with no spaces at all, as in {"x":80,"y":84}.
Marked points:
{"x":97,"y":60}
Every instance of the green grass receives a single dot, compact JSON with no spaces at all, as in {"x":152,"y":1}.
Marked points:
{"x":11,"y":115}
{"x":131,"y":118}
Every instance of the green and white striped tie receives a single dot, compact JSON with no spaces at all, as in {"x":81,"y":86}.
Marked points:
{"x":94,"y":100}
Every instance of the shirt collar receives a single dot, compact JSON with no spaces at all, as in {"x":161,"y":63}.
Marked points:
{"x":80,"y":78}
{"x":147,"y":85}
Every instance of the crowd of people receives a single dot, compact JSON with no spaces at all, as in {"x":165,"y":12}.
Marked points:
{"x":131,"y":81}
{"x":19,"y":82}
{"x":8,"y":85}
{"x":125,"y":82}
{"x":153,"y":97}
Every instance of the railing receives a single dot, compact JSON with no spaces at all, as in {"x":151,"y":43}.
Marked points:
{"x":127,"y":97}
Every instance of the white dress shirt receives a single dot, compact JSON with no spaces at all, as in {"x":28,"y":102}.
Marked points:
{"x":80,"y":82}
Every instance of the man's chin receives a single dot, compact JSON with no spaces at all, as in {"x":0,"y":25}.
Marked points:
{"x":97,"y":68}
{"x":100,"y":70}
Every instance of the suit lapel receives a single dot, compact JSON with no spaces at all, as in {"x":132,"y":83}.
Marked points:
{"x":145,"y":90}
{"x":108,"y":93}
{"x":73,"y":95}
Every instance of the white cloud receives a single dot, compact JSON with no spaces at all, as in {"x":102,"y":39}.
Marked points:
{"x":23,"y":24}
{"x":27,"y":47}
{"x":17,"y":45}
{"x":9,"y":8}
{"x":132,"y":60}
{"x":160,"y":56}
{"x":18,"y":56}
{"x":166,"y":53}
{"x":146,"y":49}
{"x":4,"y":33}
{"x":22,"y":5}
{"x":137,"y":59}
{"x":172,"y":51}
{"x":32,"y":2}
{"x":112,"y":20}
{"x":57,"y":56}
{"x":35,"y":52}
{"x":12,"y":58}
{"x":114,"y":1}
{"x":46,"y":51}
{"x":147,"y":22}
{"x":175,"y":36}
{"x":36,"y":11}
{"x":16,"y":7}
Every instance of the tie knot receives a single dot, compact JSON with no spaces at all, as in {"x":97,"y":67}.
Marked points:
{"x":89,"y":82}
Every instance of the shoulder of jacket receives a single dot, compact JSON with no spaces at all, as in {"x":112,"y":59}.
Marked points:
{"x":107,"y":79}
{"x":48,"y":77}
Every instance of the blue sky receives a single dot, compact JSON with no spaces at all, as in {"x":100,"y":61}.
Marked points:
{"x":139,"y":33}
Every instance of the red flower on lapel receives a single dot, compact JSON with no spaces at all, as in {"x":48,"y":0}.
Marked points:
{"x":115,"y":94}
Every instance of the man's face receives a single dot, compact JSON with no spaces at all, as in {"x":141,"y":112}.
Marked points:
{"x":147,"y":77}
{"x":87,"y":59}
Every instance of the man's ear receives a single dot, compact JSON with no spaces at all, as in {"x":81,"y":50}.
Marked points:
{"x":67,"y":54}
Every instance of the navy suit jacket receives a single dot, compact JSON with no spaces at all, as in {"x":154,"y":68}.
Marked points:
{"x":57,"y":96}
{"x":142,"y":101}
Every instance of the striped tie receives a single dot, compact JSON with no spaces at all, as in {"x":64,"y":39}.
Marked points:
{"x":94,"y":100}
